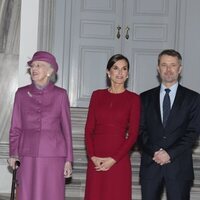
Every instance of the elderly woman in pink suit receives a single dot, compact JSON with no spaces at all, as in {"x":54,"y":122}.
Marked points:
{"x":40,"y":133}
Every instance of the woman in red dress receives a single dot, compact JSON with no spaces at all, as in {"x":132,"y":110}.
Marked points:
{"x":110,"y":133}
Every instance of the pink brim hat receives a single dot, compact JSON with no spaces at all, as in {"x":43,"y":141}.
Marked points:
{"x":44,"y":56}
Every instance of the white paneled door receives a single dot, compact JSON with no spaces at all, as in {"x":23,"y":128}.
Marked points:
{"x":139,"y":29}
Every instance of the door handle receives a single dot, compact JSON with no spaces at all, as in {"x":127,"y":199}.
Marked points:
{"x":127,"y":34}
{"x":118,"y":32}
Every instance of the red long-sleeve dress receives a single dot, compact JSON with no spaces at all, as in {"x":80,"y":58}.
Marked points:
{"x":111,"y":131}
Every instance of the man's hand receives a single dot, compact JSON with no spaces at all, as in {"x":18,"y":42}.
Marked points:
{"x":161,"y":157}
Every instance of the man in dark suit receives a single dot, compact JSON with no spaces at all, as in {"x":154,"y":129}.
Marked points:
{"x":170,"y":125}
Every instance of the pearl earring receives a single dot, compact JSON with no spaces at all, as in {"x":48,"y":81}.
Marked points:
{"x":48,"y":75}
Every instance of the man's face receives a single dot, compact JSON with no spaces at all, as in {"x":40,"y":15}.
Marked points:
{"x":169,"y":69}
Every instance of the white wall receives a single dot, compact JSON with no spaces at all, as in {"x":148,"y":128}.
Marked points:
{"x":28,"y":45}
{"x":28,"y":36}
{"x":191,"y":65}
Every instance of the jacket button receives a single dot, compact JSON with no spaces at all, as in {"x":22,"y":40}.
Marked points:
{"x":164,"y":137}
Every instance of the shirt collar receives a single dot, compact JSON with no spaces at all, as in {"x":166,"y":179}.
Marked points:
{"x":173,"y":88}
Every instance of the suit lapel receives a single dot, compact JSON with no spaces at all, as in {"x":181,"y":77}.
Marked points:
{"x":157,"y":103}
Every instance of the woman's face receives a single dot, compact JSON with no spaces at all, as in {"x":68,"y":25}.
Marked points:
{"x":118,"y":73}
{"x":40,"y":72}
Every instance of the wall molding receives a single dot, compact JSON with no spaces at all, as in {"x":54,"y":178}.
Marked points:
{"x":46,"y":25}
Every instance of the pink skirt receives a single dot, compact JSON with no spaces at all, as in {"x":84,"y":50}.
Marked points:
{"x":41,"y":179}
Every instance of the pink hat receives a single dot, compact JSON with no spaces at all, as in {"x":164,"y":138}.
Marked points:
{"x":44,"y":56}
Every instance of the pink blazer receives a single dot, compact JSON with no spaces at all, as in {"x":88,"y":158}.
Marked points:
{"x":41,"y":124}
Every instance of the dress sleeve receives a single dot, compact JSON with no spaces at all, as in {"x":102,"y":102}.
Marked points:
{"x":90,"y":126}
{"x":133,"y":129}
{"x":66,"y":126}
{"x":16,"y":127}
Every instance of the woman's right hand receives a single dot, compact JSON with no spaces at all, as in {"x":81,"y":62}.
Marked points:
{"x":12,"y":161}
{"x":103,"y":164}
{"x":97,"y":161}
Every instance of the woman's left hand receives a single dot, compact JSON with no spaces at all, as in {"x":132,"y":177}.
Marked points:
{"x":106,"y":164}
{"x":67,"y":169}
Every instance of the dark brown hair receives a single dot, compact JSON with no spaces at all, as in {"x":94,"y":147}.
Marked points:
{"x":116,"y":58}
{"x":170,"y":52}
{"x":111,"y":62}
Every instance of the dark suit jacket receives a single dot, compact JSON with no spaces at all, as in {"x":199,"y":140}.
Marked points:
{"x":177,"y":138}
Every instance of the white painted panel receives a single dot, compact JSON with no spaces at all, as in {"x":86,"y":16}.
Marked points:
{"x":145,"y":72}
{"x":152,"y":7}
{"x":93,"y":42}
{"x":61,"y":42}
{"x":191,"y":55}
{"x":92,"y":31}
{"x":98,"y":5}
{"x":97,"y":29}
{"x":152,"y":28}
{"x":92,"y":75}
{"x":150,"y":32}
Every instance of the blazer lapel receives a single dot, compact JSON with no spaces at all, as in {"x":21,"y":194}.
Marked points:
{"x":157,"y":103}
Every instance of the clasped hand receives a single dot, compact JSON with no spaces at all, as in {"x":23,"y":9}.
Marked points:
{"x":161,"y":157}
{"x":103,"y":164}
